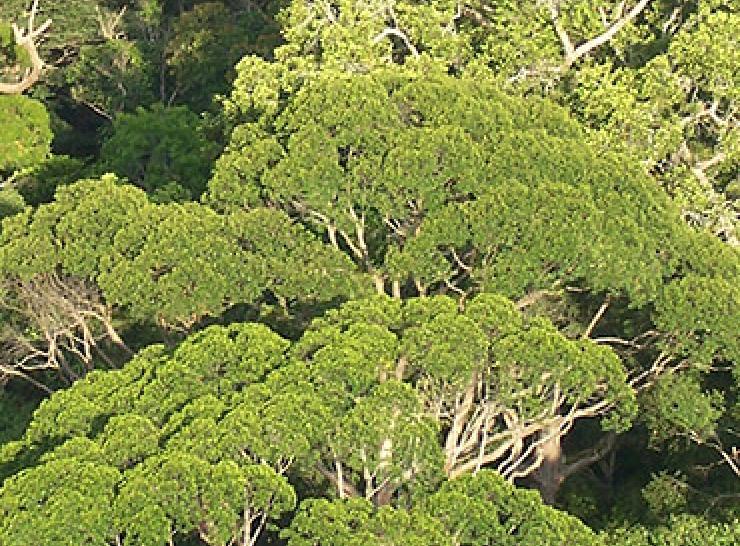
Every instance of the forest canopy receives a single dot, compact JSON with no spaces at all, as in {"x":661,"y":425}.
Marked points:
{"x":369,"y":273}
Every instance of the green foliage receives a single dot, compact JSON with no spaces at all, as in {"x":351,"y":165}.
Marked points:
{"x":157,"y":148}
{"x":74,"y":232}
{"x":149,"y":462}
{"x":12,"y":57}
{"x":11,"y":202}
{"x":684,"y":530}
{"x":386,"y":371}
{"x":511,"y":180}
{"x":179,"y":263}
{"x":665,"y":495}
{"x":207,"y":42}
{"x":111,"y":77}
{"x":25,"y":135}
{"x":485,"y":509}
{"x":35,"y":504}
{"x":674,"y":110}
{"x":700,"y":312}
{"x":74,"y":21}
{"x":430,"y":168}
{"x":139,"y":253}
{"x":38,"y":184}
{"x":15,"y":414}
{"x":678,"y":407}
{"x":354,"y":522}
{"x":471,"y":511}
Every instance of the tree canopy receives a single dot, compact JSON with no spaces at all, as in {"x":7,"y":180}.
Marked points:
{"x":381,"y":273}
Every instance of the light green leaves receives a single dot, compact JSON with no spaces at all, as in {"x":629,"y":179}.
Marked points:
{"x":485,"y":509}
{"x":355,"y":523}
{"x":678,"y":407}
{"x":36,"y":504}
{"x":473,"y":511}
{"x":75,"y":232}
{"x":25,"y":134}
{"x":701,"y":315}
{"x":179,"y":263}
{"x":148,"y":452}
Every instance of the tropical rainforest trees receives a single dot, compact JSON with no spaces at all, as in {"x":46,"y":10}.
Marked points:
{"x":162,"y":151}
{"x":152,"y":472}
{"x":25,"y":135}
{"x":239,"y":410}
{"x":450,"y":274}
{"x":102,"y":244}
{"x":578,"y":234}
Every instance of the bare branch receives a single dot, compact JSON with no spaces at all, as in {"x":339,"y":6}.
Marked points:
{"x":597,"y":317}
{"x":589,"y":456}
{"x":109,"y":25}
{"x":732,"y":458}
{"x":398,"y":34}
{"x":58,"y":317}
{"x":554,"y":7}
{"x":600,"y":40}
{"x":572,"y":53}
{"x":27,"y":40}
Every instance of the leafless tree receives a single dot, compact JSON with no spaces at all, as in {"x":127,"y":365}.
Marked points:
{"x":59,"y":324}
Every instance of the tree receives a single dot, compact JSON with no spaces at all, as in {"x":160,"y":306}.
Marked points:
{"x":92,"y":55}
{"x":11,"y":202}
{"x":471,"y":511}
{"x":353,"y":522}
{"x":56,"y":324}
{"x":102,"y":243}
{"x":49,"y":260}
{"x":391,"y":190}
{"x":161,"y":151}
{"x":676,"y":111}
{"x":447,"y":249}
{"x":111,"y":77}
{"x":656,"y":77}
{"x":142,"y":469}
{"x":438,"y":185}
{"x":197,"y":440}
{"x":181,"y":263}
{"x":419,"y":387}
{"x":206,"y":44}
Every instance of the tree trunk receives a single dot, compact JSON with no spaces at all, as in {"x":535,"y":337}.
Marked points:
{"x":385,"y":495}
{"x":549,"y":475}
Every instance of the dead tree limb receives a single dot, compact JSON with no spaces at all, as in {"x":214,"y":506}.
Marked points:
{"x":27,"y":39}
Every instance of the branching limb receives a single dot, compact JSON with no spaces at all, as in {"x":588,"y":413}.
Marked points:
{"x":597,"y":317}
{"x":589,"y":456}
{"x":730,"y":456}
{"x":347,"y":489}
{"x":109,"y":25}
{"x":398,"y":34}
{"x":27,"y":40}
{"x":573,"y":53}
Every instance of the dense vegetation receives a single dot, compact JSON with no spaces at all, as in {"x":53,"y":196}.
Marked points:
{"x":369,"y":273}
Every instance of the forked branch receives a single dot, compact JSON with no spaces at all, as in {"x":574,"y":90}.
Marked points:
{"x":572,"y":52}
{"x":27,"y":39}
